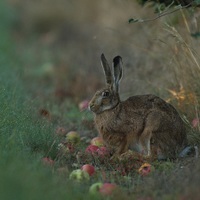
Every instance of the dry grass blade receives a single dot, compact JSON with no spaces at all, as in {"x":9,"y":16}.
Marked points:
{"x":187,"y":73}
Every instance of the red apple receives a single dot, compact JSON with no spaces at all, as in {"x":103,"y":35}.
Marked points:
{"x":98,"y":141}
{"x":103,"y":151}
{"x":73,"y":137}
{"x":47,"y":161}
{"x":83,"y":105}
{"x":92,"y":149}
{"x":107,"y":189}
{"x":89,"y":169}
{"x":195,"y":122}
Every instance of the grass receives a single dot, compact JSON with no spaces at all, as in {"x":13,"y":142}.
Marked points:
{"x":25,"y":139}
{"x":38,"y":97}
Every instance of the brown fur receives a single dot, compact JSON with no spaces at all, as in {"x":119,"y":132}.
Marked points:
{"x":143,"y":123}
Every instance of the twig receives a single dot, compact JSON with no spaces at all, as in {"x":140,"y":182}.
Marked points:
{"x":160,"y":15}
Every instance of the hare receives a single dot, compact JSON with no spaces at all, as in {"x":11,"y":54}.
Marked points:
{"x":144,"y":123}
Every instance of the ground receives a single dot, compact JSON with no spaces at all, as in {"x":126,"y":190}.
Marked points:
{"x":50,"y":68}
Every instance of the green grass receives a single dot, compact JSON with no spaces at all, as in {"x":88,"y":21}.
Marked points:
{"x":24,"y":138}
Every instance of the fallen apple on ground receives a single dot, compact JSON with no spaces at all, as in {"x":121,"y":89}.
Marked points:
{"x":89,"y":169}
{"x":66,"y":148}
{"x":73,"y":137}
{"x":102,"y":152}
{"x":83,"y":105}
{"x":107,"y":189}
{"x":94,"y":188}
{"x":79,"y":175}
{"x":98,"y":141}
{"x":92,"y":149}
{"x":145,"y":169}
{"x":195,"y":122}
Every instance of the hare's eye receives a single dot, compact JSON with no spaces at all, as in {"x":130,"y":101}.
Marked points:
{"x":105,"y":94}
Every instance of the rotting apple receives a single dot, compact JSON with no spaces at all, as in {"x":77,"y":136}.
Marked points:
{"x":79,"y":175}
{"x":98,"y":141}
{"x":145,"y":169}
{"x":66,"y":148}
{"x":92,"y":149}
{"x":88,"y":168}
{"x":73,"y":137}
{"x":102,"y":152}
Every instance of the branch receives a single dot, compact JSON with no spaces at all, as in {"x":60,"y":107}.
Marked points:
{"x":160,"y":15}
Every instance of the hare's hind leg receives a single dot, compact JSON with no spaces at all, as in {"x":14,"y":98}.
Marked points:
{"x":123,"y":147}
{"x":145,"y":141}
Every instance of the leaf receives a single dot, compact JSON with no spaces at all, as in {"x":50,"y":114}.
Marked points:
{"x":132,"y":20}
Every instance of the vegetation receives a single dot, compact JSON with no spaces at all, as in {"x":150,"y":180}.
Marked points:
{"x":49,"y":63}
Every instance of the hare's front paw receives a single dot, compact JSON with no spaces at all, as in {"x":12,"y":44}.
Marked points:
{"x":121,"y":157}
{"x":130,"y":155}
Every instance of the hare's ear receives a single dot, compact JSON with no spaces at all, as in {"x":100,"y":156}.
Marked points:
{"x":107,"y":70}
{"x":118,"y":72}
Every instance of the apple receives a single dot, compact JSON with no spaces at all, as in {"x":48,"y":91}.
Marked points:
{"x":70,"y":148}
{"x":79,"y":175}
{"x":47,"y":161}
{"x":195,"y":122}
{"x":83,"y":105}
{"x":98,"y":141}
{"x":94,"y":188}
{"x":92,"y":149}
{"x":89,"y":169}
{"x":66,"y":148}
{"x":107,"y":189}
{"x":102,"y":152}
{"x":73,"y":137}
{"x":145,"y":169}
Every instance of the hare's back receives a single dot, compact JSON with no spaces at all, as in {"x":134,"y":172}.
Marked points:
{"x":150,"y":101}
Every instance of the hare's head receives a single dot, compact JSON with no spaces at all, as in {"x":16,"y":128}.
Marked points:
{"x":108,"y":97}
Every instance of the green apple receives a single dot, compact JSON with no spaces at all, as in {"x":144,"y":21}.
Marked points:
{"x":73,"y":137}
{"x":98,"y":141}
{"x":79,"y":175}
{"x":94,"y":188}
